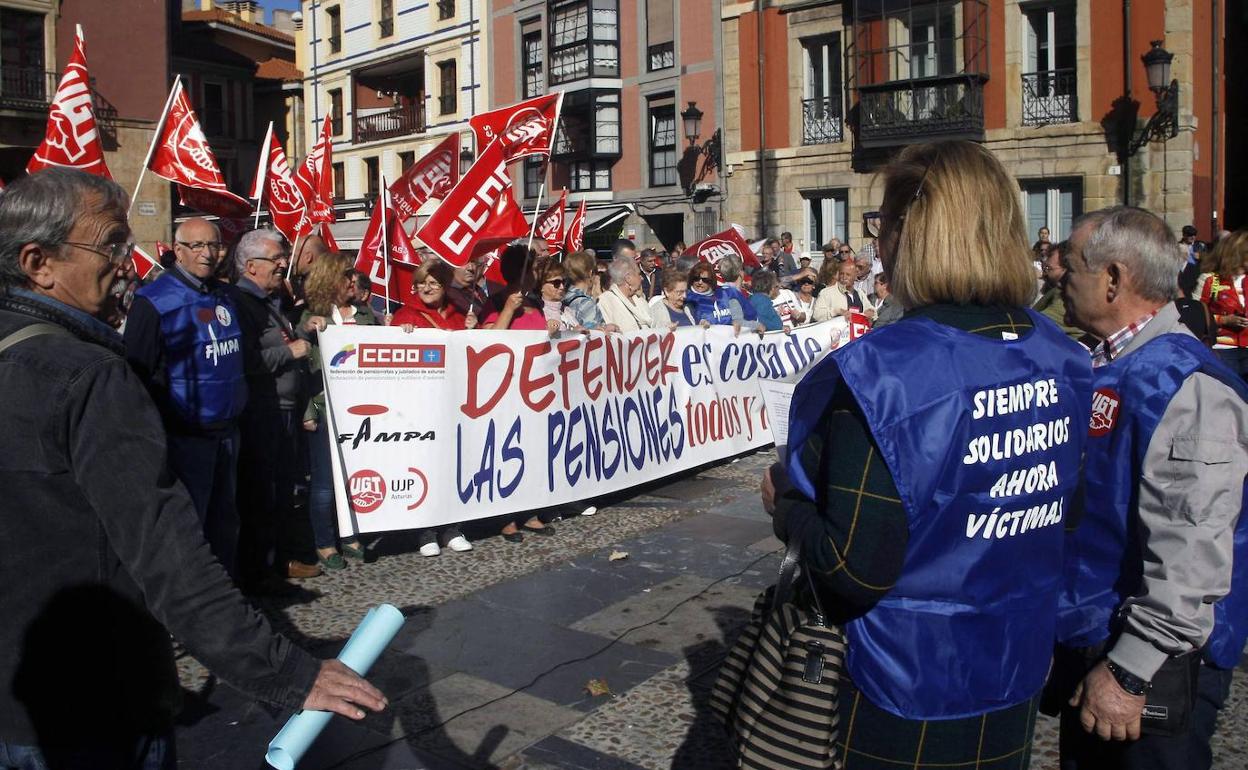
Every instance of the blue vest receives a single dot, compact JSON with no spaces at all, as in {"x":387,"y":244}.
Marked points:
{"x":202,"y":341}
{"x":1131,"y":396}
{"x":983,"y":439}
{"x":714,"y":308}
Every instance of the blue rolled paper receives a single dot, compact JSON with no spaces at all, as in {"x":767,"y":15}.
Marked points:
{"x":359,"y":654}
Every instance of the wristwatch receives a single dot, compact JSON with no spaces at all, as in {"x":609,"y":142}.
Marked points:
{"x":1126,"y":680}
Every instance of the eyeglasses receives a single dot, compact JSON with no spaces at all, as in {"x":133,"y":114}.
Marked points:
{"x":846,"y":251}
{"x":115,"y":253}
{"x":702,"y":279}
{"x":805,"y":282}
{"x":200,"y":245}
{"x":556,"y":282}
{"x":274,"y":260}
{"x":429,"y":283}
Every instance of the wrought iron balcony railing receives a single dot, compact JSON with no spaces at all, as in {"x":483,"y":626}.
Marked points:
{"x":1049,"y":97}
{"x":904,"y":111}
{"x":27,"y":87}
{"x":823,"y":120}
{"x":401,"y":121}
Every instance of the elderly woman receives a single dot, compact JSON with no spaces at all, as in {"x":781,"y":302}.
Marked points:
{"x":1223,"y":290}
{"x":732,"y":273}
{"x":765,"y":290}
{"x":671,"y":303}
{"x":805,"y":287}
{"x":579,"y":268}
{"x":516,"y":306}
{"x":624,"y":304}
{"x":949,"y":617}
{"x":328,"y":291}
{"x":552,"y":288}
{"x":840,"y":300}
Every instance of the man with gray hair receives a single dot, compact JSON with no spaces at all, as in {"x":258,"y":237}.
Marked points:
{"x":184,"y":341}
{"x":1155,"y":605}
{"x":106,"y":556}
{"x":624,"y":304}
{"x":275,"y":367}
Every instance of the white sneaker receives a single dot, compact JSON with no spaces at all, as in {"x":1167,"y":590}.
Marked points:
{"x":590,"y":511}
{"x":430,"y":549}
{"x":459,"y":543}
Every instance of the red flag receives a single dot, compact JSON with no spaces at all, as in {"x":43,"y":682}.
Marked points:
{"x":525,"y":129}
{"x":720,"y":245}
{"x":327,"y":235}
{"x":371,"y":259}
{"x":232,"y":229}
{"x":478,"y":215}
{"x":550,"y":224}
{"x":181,"y":154}
{"x":494,"y":266}
{"x":143,"y":262}
{"x":315,"y":178}
{"x":72,"y":138}
{"x":433,"y":176}
{"x":859,"y":325}
{"x":274,"y":183}
{"x":575,"y":238}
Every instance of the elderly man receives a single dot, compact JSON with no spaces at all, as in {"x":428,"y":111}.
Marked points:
{"x":268,"y":426}
{"x":1050,"y":302}
{"x":1149,"y":566}
{"x":465,"y":293}
{"x":185,"y":343}
{"x":651,"y":281}
{"x":110,"y":546}
{"x":623,"y":304}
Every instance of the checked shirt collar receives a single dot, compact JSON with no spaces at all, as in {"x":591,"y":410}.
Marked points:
{"x":1112,"y":346}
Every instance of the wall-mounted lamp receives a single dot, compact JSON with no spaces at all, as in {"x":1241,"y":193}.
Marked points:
{"x":1165,"y":121}
{"x":711,"y":149}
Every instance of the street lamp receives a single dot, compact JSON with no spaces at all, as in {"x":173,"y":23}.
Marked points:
{"x":1164,"y":124}
{"x":691,"y":118}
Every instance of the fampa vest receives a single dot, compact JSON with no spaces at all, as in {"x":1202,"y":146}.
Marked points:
{"x":202,"y":342}
{"x":983,"y":439}
{"x":1131,"y":396}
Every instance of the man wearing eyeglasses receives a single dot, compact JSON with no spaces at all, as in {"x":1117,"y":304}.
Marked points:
{"x":184,"y":340}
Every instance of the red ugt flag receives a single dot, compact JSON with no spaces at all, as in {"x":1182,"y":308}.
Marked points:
{"x":433,"y":176}
{"x":315,"y":178}
{"x":478,"y":215}
{"x":181,"y":154}
{"x":550,"y":224}
{"x":143,"y":262}
{"x":72,"y":139}
{"x":575,"y":239}
{"x":720,"y":245}
{"x":525,"y":129}
{"x":273,"y":181}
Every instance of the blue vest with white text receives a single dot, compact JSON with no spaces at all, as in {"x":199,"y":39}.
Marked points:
{"x":983,"y":439}
{"x":1131,"y":396}
{"x":714,"y":309}
{"x":202,"y":342}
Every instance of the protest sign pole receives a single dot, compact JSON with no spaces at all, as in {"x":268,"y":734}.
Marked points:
{"x":262,"y":173}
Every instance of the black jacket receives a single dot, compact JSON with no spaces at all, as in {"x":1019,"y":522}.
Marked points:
{"x":103,"y":552}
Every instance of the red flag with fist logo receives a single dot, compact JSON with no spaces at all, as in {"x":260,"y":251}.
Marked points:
{"x":433,"y":176}
{"x":315,"y":178}
{"x":550,"y":224}
{"x":720,"y":245}
{"x":524,"y":129}
{"x":274,"y":183}
{"x":574,"y":241}
{"x":72,"y":139}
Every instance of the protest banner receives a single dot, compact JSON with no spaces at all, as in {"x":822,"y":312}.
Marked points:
{"x":432,"y":427}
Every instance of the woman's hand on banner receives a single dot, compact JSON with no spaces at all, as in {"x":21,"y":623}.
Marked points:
{"x":315,"y":323}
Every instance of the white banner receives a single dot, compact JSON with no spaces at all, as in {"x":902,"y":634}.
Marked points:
{"x":435,"y":427}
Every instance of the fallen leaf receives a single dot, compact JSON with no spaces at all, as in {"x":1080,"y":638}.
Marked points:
{"x":617,"y":556}
{"x":597,"y":687}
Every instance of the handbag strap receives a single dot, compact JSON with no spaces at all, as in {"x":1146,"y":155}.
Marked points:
{"x":26,"y":332}
{"x":788,"y":570}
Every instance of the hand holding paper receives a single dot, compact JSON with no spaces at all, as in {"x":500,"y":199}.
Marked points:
{"x":342,"y":691}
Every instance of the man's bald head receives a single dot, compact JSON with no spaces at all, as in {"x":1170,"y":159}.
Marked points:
{"x":310,"y":250}
{"x":197,"y":247}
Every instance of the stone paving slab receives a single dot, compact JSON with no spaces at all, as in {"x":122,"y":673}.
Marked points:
{"x":718,"y":528}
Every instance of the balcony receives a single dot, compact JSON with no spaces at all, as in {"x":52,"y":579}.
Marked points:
{"x":1049,"y":97}
{"x":823,"y":121}
{"x":404,"y":120}
{"x":27,"y":88}
{"x":920,"y":110}
{"x":217,"y":123}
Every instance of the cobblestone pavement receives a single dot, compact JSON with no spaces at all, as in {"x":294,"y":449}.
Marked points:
{"x":492,"y":667}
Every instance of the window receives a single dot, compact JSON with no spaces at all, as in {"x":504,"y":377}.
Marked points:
{"x":584,"y":40}
{"x":822,"y":105}
{"x":660,"y":47}
{"x":1052,"y":203}
{"x":340,"y":182}
{"x":825,"y":212}
{"x":406,"y":160}
{"x":22,"y":57}
{"x":589,"y":125}
{"x":587,"y":175}
{"x":213,"y":110}
{"x":1049,"y":75}
{"x":372,"y":170}
{"x":532,"y":176}
{"x":534,"y":76}
{"x":335,"y":111}
{"x":449,"y":86}
{"x":385,"y":18}
{"x":662,"y":141}
{"x":335,"y":29}
{"x":446,"y":9}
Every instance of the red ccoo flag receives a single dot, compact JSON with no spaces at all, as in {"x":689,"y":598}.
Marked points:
{"x":574,"y":241}
{"x":315,"y":178}
{"x":433,"y":176}
{"x":525,"y":129}
{"x":478,"y":215}
{"x":550,"y":224}
{"x":720,"y":245}
{"x":274,"y":183}
{"x":72,"y":139}
{"x":181,"y":155}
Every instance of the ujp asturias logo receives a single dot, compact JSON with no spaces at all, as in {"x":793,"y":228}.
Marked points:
{"x":342,"y":356}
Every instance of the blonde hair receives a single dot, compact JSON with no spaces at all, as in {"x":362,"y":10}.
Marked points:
{"x":951,"y":214}
{"x":325,"y":281}
{"x":579,"y":266}
{"x":1229,"y":255}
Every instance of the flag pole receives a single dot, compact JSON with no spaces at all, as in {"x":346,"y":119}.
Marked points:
{"x":262,"y":173}
{"x":160,"y":129}
{"x":385,"y":241}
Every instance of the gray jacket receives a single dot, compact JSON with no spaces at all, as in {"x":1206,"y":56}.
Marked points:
{"x":1188,"y":509}
{"x":272,"y":331}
